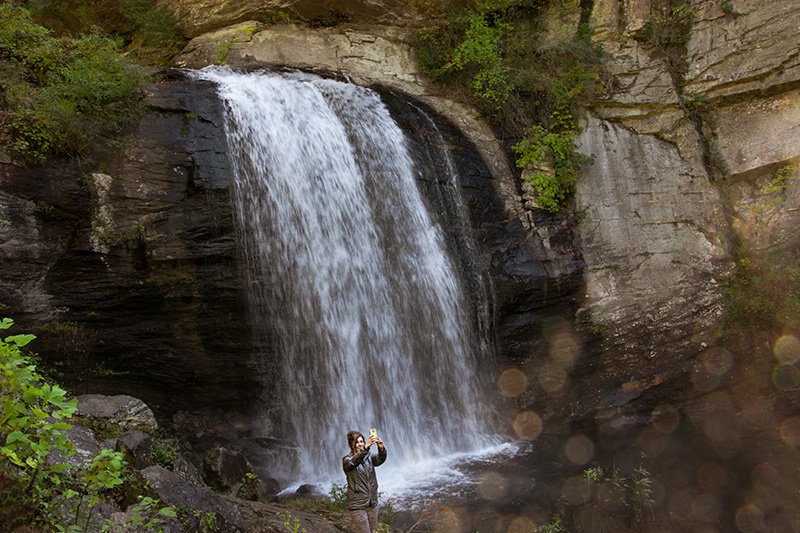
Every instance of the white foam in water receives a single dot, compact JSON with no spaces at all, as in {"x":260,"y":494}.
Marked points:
{"x":411,"y":486}
{"x":361,"y":310}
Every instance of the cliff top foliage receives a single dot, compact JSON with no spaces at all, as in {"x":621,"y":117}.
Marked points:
{"x":58,"y":94}
{"x":144,"y":30}
{"x":530,"y":85}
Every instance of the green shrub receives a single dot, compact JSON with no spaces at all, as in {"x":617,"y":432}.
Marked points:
{"x":335,"y":501}
{"x":530,"y":88}
{"x":337,"y":497}
{"x":481,"y":49}
{"x":145,"y":29}
{"x":164,"y":453}
{"x":763,"y":295}
{"x":281,"y":17}
{"x":60,"y":94}
{"x":781,"y":181}
{"x":222,"y":50}
{"x":668,"y":33}
{"x":31,"y":422}
{"x":291,"y":523}
{"x":554,"y":145}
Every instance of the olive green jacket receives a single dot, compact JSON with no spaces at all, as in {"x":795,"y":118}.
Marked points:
{"x":362,"y":484}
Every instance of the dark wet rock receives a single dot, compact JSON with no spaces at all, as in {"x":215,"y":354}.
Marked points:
{"x":136,"y":448}
{"x":233,"y":514}
{"x":172,"y":489}
{"x":224,"y":469}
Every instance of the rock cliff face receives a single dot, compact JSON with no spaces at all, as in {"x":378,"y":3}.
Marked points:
{"x":613,"y":304}
{"x":129,"y":274}
{"x":663,"y":201}
{"x":197,"y":18}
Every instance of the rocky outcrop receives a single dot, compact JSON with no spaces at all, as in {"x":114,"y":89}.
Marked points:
{"x":135,"y":263}
{"x":197,"y":18}
{"x":198,"y":505}
{"x":124,"y":411}
{"x":674,"y":152}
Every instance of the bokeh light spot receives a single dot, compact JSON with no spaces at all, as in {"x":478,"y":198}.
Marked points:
{"x":706,"y":508}
{"x":653,"y":442}
{"x":512,"y":382}
{"x":527,"y":425}
{"x":786,"y":377}
{"x":564,"y":350}
{"x":723,"y":431}
{"x":765,"y":477}
{"x":576,"y":491}
{"x":491,"y":486}
{"x":787,"y":349}
{"x":749,"y":519}
{"x":579,"y":449}
{"x":790,"y":431}
{"x":710,"y":477}
{"x":666,"y":418}
{"x":521,"y":524}
{"x":552,"y":377}
{"x":713,"y":366}
{"x":447,"y":521}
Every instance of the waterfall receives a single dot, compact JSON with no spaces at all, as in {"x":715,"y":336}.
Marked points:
{"x":349,"y":277}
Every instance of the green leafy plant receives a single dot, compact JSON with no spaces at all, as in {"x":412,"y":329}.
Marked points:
{"x":668,"y":32}
{"x":60,"y":94}
{"x":782,"y":180}
{"x":32,"y":427}
{"x":641,"y":500}
{"x":281,"y":17}
{"x":531,"y":88}
{"x":38,"y":484}
{"x":291,"y":523}
{"x":335,"y":501}
{"x":728,"y":8}
{"x":163,"y":453}
{"x":337,"y":497}
{"x":762,"y":295}
{"x":32,"y":421}
{"x":635,"y":494}
{"x":222,"y":50}
{"x":146,"y":515}
{"x":249,"y":487}
{"x":208,"y":522}
{"x":555,"y":525}
{"x":553,"y":146}
{"x":83,"y":490}
{"x":481,"y":48}
{"x":145,"y":28}
{"x":595,"y":474}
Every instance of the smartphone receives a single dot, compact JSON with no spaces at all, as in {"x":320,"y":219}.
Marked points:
{"x":373,"y":434}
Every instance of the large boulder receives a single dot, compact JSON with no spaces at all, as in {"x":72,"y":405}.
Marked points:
{"x":229,"y":513}
{"x":123,"y":411}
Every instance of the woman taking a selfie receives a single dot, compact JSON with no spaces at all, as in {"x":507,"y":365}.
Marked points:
{"x":362,"y":484}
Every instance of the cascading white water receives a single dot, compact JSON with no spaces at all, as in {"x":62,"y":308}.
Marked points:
{"x":349,"y":275}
